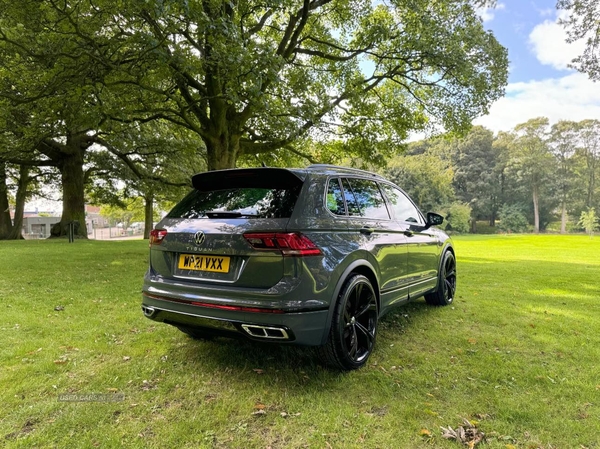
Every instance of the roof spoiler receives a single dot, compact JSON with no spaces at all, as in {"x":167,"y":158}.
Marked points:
{"x":262,"y":177}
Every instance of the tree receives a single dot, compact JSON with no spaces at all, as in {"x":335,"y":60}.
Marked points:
{"x":6,"y":225}
{"x":254,"y":77}
{"x":476,"y":178}
{"x":49,"y":90}
{"x":583,"y":22}
{"x":426,"y":178}
{"x":512,"y":219}
{"x":531,"y":157}
{"x":53,"y":98}
{"x":589,"y":135}
{"x":152,"y":161}
{"x":458,"y":217}
{"x":589,"y":221}
{"x":563,"y":143}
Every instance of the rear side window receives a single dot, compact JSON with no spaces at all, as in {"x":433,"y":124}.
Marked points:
{"x":242,"y":202}
{"x":335,"y":198}
{"x":362,"y":197}
{"x":367,"y":198}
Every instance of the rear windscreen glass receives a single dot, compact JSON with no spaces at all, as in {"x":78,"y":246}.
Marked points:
{"x":244,"y":202}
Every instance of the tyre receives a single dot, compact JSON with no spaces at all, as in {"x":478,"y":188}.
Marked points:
{"x":446,"y":288}
{"x":354,"y":325}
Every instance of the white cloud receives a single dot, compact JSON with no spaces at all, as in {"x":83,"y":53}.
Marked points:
{"x":573,"y":97}
{"x":548,"y":41}
{"x":487,"y":14}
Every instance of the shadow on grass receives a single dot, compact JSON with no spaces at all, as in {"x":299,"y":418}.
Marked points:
{"x":285,"y":364}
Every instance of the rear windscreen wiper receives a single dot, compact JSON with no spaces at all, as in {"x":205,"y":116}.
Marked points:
{"x":227,"y":214}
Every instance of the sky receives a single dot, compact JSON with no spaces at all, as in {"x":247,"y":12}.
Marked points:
{"x":540,"y":82}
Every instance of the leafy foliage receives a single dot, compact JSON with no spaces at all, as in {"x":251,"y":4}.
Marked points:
{"x":427,"y":179}
{"x":458,"y":217}
{"x":254,"y":77}
{"x":512,"y":219}
{"x":589,"y":221}
{"x":583,"y":22}
{"x":477,"y":172}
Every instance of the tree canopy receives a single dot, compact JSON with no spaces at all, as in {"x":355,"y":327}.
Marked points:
{"x":583,"y":22}
{"x":254,"y":77}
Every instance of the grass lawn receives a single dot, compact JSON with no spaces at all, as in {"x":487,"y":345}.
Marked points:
{"x":518,"y":355}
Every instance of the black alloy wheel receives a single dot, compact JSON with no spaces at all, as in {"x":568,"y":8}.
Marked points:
{"x":446,"y":288}
{"x":353,"y":330}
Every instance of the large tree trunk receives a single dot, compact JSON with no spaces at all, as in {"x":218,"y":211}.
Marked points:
{"x":493,"y":210}
{"x":5,"y":221}
{"x":493,"y":218}
{"x":20,"y":203}
{"x":222,"y":151}
{"x":536,"y":209}
{"x":148,"y":214}
{"x":72,"y":177}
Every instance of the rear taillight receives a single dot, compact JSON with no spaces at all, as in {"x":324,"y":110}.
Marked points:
{"x":157,"y":236}
{"x":290,"y":244}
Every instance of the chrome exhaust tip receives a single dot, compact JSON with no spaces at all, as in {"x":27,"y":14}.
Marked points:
{"x":266,"y":332}
{"x":148,"y":311}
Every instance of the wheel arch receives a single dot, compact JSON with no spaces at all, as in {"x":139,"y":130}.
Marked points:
{"x":447,"y":247}
{"x":362,"y":267}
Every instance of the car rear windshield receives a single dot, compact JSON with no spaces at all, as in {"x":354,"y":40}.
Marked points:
{"x":240,"y":202}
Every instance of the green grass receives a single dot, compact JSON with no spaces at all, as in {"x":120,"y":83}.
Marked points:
{"x":518,"y":352}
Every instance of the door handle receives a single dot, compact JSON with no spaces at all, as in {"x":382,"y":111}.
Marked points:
{"x":367,"y":231}
{"x":409,"y":233}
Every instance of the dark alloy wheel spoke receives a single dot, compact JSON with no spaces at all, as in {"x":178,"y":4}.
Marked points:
{"x":347,"y":316}
{"x":450,"y":287}
{"x":358,"y":292}
{"x":367,"y":332}
{"x":368,"y":306}
{"x":354,"y":340}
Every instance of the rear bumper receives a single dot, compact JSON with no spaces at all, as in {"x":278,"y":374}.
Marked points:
{"x":304,"y":326}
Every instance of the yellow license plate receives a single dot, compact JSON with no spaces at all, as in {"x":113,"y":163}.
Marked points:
{"x":217,"y":264}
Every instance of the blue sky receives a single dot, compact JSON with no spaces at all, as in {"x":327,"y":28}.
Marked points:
{"x":540,"y":83}
{"x":512,"y":22}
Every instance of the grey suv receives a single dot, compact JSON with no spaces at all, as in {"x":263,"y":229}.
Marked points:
{"x":311,"y":256}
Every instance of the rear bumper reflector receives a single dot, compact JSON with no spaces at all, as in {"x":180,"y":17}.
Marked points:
{"x":209,"y":305}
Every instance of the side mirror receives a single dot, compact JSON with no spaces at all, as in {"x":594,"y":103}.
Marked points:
{"x":433,"y":219}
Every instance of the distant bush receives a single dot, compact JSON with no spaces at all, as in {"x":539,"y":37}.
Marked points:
{"x":458,"y":216}
{"x":512,"y":219}
{"x":483,"y":227}
{"x":589,"y":221}
{"x":554,"y":226}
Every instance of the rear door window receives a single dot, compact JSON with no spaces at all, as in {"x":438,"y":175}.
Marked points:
{"x":365,"y":199}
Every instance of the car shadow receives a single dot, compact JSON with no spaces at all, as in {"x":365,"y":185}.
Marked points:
{"x":285,"y":364}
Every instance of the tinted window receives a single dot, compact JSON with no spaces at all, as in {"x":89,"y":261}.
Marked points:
{"x":335,"y":199}
{"x":368,"y":198}
{"x":249,"y":201}
{"x":404,"y":209}
{"x":351,"y":202}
